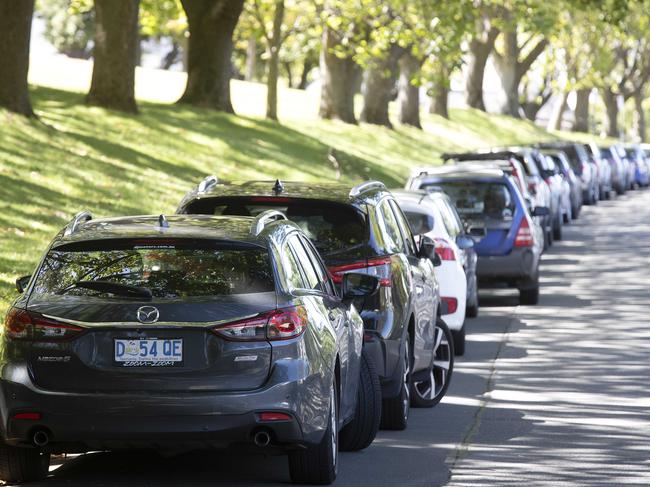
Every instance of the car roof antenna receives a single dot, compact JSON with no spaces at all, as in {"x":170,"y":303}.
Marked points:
{"x":278,"y":187}
{"x":162,"y":221}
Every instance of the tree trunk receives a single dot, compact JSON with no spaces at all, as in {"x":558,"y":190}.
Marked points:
{"x":408,"y":96}
{"x":639,"y":116}
{"x":251,"y":58}
{"x":440,"y":100}
{"x":581,"y":123}
{"x":338,"y":80}
{"x":211,"y":25}
{"x":611,"y":107}
{"x":555,"y":121}
{"x":479,"y":51}
{"x":288,"y":69}
{"x":378,"y":86}
{"x":15,"y":31}
{"x":273,"y":67}
{"x":171,"y":57}
{"x":115,"y":55}
{"x":506,"y":65}
{"x":306,"y":69}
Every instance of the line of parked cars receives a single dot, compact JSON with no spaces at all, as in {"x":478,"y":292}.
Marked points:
{"x":294,"y":318}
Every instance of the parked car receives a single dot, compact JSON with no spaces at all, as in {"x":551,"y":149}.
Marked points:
{"x":562,"y":170}
{"x":538,"y":192}
{"x":358,"y":229}
{"x":583,"y":166}
{"x":187,"y":331}
{"x":509,"y":254}
{"x":428,"y":214}
{"x":618,"y":167}
{"x":642,"y":171}
{"x":575,"y":187}
{"x":628,"y":163}
{"x":604,"y":171}
{"x":552,"y":178}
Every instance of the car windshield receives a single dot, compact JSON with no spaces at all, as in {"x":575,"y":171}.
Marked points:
{"x":477,"y":199}
{"x":170,"y":270}
{"x":335,"y":229}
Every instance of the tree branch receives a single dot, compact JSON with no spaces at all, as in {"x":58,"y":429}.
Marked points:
{"x":530,"y":58}
{"x":257,"y":12}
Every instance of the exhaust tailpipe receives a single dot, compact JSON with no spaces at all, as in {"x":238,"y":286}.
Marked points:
{"x":262,"y":439}
{"x":41,"y":438}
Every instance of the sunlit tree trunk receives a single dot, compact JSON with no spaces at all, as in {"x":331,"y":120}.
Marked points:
{"x":378,"y":86}
{"x":408,"y":97}
{"x":115,"y":55}
{"x":209,"y":70}
{"x":639,"y":116}
{"x":581,"y":123}
{"x":15,"y":31}
{"x":480,"y":47}
{"x":611,"y":109}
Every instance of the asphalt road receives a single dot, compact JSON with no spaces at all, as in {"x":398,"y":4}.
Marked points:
{"x":555,"y":394}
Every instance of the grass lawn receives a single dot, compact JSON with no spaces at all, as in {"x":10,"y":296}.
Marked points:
{"x":77,"y":157}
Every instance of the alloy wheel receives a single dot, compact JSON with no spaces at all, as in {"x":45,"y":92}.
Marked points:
{"x":434,"y":384}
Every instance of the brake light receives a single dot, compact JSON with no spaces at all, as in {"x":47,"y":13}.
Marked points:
{"x":280,"y":324}
{"x":379,"y":267}
{"x":524,"y":236}
{"x":270,"y":199}
{"x":25,"y":325}
{"x":449,"y":305}
{"x":444,"y":251}
{"x":28,"y":416}
{"x":273,"y":416}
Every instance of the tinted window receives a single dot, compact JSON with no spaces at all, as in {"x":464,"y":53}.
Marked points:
{"x":323,"y":277}
{"x":334,"y":228}
{"x":388,"y":232}
{"x":174,"y":270}
{"x":404,"y":227}
{"x":420,"y":223}
{"x":313,"y":282}
{"x":291,"y":269}
{"x":479,"y":199}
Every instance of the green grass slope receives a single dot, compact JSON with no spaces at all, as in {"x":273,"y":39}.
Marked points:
{"x":77,"y":157}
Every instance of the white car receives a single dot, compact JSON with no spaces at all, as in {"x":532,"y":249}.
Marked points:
{"x":426,"y":217}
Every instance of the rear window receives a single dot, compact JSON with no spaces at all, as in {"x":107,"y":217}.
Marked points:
{"x":169,"y":270}
{"x":335,"y":229}
{"x":475,"y":199}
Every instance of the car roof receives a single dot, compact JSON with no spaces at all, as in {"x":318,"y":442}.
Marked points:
{"x":231,"y":228}
{"x":334,"y":192}
{"x":466,"y":170}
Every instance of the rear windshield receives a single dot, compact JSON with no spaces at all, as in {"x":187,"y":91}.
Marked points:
{"x":169,"y":270}
{"x":476,"y":199}
{"x":335,"y":229}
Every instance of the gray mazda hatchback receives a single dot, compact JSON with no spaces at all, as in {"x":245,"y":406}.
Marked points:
{"x":187,"y":331}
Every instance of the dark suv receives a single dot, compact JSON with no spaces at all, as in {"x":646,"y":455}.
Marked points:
{"x":360,"y":229}
{"x":185,"y":332}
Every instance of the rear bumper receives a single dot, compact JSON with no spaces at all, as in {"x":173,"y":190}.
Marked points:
{"x":519,"y":266}
{"x":82,"y":422}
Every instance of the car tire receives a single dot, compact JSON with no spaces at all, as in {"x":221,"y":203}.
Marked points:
{"x":395,"y":410}
{"x":318,"y":464}
{"x":529,"y":296}
{"x":459,"y":341}
{"x":359,"y":433}
{"x":557,"y":228}
{"x":429,"y":392}
{"x":18,"y":465}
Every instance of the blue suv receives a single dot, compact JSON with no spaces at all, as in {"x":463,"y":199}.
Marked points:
{"x":509,"y":242}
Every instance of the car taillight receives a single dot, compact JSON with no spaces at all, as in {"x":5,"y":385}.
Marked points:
{"x":524,"y":236}
{"x":280,"y":324}
{"x":25,"y":325}
{"x":444,"y":251}
{"x":379,"y":267}
{"x":449,"y":305}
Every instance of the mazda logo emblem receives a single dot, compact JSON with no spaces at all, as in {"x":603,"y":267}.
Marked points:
{"x":148,"y":314}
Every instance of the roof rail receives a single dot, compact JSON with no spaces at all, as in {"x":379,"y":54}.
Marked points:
{"x":207,"y":183}
{"x":366,"y":186}
{"x":264,"y":219}
{"x":79,"y":218}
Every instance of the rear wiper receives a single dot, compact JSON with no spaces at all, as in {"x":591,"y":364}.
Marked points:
{"x":116,"y":288}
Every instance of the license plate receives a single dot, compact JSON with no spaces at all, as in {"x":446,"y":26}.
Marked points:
{"x":151,"y":352}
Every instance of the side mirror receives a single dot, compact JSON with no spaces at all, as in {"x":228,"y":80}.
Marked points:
{"x":477,"y":232}
{"x":541,"y":211}
{"x":356,"y":285}
{"x":427,"y":248}
{"x":464,"y":242}
{"x":21,"y":283}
